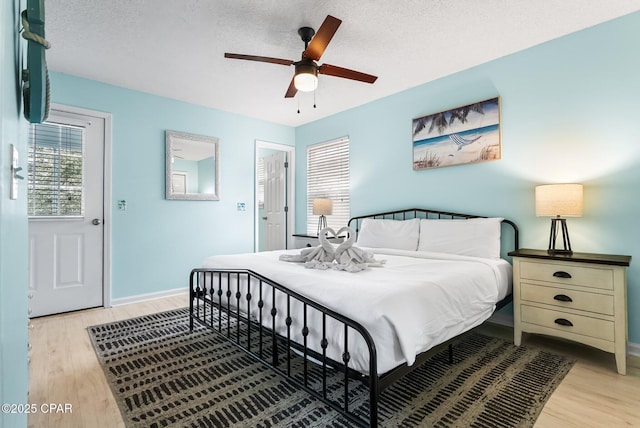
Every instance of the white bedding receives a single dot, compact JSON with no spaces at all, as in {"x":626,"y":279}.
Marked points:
{"x":417,"y":300}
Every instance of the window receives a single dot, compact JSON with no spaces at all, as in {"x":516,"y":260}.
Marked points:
{"x":328,"y":177}
{"x":55,"y":158}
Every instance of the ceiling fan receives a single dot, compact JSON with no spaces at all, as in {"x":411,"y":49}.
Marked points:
{"x":306,"y":73}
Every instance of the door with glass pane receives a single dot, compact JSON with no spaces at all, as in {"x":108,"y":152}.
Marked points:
{"x":65,"y":186}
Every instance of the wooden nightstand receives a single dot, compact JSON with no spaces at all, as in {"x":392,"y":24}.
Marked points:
{"x":581,"y":297}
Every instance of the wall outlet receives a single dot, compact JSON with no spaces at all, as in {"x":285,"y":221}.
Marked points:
{"x":241,"y":206}
{"x":122,"y":205}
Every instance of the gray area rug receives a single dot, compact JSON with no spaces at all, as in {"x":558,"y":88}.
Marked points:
{"x":162,"y":375}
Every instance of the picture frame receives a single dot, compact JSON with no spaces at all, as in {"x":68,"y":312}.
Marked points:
{"x":462,"y":135}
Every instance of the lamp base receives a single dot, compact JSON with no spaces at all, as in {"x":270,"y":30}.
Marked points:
{"x":322,"y":223}
{"x":562,"y":224}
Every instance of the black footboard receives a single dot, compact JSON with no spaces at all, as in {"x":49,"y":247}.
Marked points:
{"x":290,"y":334}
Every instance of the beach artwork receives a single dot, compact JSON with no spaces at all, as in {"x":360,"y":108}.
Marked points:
{"x":462,"y":135}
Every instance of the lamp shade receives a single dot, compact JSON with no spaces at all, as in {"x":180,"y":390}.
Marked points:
{"x":322,"y":206}
{"x":559,"y":200}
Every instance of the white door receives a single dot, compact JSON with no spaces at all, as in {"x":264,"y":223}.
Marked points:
{"x":66,"y":174}
{"x":179,"y":183}
{"x":275,"y":201}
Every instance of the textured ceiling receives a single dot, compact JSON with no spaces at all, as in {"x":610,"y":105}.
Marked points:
{"x":174,"y":48}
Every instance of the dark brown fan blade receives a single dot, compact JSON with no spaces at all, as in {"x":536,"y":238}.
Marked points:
{"x":259,"y":58}
{"x":291,"y":91}
{"x":333,"y":70}
{"x":322,"y":38}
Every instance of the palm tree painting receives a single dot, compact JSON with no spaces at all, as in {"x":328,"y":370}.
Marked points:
{"x":461,"y":135}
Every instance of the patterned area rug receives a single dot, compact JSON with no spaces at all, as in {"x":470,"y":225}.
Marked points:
{"x":161,"y":375}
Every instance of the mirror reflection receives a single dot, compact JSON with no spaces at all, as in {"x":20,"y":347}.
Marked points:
{"x":192,"y":167}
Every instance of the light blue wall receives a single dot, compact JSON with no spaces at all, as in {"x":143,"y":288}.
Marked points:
{"x":570,"y":113}
{"x":156,"y":242}
{"x":13,"y":226}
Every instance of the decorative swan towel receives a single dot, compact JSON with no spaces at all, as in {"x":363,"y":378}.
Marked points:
{"x":324,"y":253}
{"x":345,"y":257}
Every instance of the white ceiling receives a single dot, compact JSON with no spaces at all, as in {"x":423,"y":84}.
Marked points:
{"x":174,"y":48}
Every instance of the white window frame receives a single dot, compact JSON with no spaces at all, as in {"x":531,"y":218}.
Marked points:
{"x":328,"y":177}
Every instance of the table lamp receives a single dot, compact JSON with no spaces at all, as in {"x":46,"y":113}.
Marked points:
{"x":557,"y":200}
{"x":322,"y":207}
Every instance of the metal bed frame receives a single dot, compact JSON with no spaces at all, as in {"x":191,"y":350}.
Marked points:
{"x":216,"y":301}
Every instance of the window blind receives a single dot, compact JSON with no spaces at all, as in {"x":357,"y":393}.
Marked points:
{"x":328,"y":177}
{"x":55,"y":171}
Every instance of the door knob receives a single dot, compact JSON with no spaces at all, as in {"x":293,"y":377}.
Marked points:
{"x":264,"y":218}
{"x":96,"y":222}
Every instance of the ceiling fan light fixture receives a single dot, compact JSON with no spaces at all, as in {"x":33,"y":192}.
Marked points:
{"x":306,"y":78}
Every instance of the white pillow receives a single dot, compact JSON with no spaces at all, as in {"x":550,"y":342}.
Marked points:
{"x":387,"y":233}
{"x":477,"y":237}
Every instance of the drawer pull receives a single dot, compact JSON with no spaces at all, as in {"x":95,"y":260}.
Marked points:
{"x":562,"y":298}
{"x":564,"y":322}
{"x":562,"y":274}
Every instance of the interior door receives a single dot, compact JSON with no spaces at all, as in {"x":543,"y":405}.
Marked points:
{"x":275,"y":201}
{"x":179,"y":183}
{"x":66,"y":174}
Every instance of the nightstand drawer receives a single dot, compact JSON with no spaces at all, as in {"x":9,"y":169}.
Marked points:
{"x":567,"y":274}
{"x":583,"y":325}
{"x":305,"y":241}
{"x":561,"y":297}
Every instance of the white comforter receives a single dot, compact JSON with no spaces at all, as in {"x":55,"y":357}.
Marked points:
{"x":417,"y":300}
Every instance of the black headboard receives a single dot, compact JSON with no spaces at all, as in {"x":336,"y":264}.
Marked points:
{"x":411,"y":213}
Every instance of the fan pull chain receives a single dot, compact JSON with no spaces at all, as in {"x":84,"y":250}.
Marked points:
{"x":314,"y":100}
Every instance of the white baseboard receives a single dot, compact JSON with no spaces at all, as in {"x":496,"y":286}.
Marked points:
{"x":633,"y":349}
{"x":148,"y":296}
{"x":507,"y":321}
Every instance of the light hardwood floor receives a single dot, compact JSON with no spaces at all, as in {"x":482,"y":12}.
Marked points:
{"x":64,"y":370}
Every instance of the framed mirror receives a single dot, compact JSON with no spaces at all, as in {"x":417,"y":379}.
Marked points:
{"x":192,"y":167}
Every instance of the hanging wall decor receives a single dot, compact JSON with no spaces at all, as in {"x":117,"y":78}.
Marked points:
{"x":35,"y":77}
{"x":461,"y":135}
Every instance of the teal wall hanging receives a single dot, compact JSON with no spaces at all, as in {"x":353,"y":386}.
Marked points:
{"x":35,"y":78}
